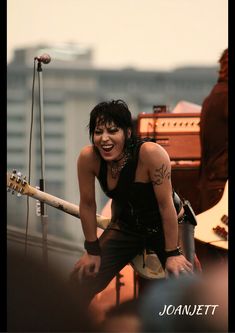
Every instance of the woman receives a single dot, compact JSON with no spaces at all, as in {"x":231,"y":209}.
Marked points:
{"x":136,"y":174}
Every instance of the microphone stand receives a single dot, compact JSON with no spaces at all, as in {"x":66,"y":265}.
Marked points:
{"x":44,"y":216}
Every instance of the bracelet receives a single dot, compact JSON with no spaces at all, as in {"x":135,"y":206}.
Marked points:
{"x":171,"y":249}
{"x":173,"y":253}
{"x":93,"y":247}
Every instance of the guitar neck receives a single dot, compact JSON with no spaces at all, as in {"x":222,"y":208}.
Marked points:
{"x":63,"y":205}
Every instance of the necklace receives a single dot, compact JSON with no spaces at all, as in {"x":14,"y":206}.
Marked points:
{"x":116,"y":167}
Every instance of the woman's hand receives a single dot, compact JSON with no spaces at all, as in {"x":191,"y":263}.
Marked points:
{"x":177,"y":265}
{"x":87,"y":266}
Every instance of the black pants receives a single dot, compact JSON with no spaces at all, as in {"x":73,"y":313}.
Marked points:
{"x":118,"y":247}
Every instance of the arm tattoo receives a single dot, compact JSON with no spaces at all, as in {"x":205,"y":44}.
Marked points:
{"x":160,"y":174}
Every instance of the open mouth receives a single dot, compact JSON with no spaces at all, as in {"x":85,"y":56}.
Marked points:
{"x":107,"y":148}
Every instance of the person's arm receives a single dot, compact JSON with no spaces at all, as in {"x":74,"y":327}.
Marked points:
{"x":159,"y":168}
{"x":86,"y":181}
{"x":89,"y":263}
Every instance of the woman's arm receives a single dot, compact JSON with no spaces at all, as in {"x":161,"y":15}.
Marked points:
{"x":86,"y":181}
{"x":89,"y":263}
{"x":159,"y":169}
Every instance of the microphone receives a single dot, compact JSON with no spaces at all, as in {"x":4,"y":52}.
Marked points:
{"x":44,"y":58}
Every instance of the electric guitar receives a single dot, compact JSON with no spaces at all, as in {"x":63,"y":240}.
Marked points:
{"x":15,"y":183}
{"x":212,"y":225}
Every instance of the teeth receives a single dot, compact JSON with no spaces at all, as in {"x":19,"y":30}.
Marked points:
{"x":107,"y":147}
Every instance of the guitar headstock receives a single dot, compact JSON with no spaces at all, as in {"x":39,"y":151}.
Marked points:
{"x":17,"y":183}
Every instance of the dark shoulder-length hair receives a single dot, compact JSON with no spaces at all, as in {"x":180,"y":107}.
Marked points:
{"x":115,"y":111}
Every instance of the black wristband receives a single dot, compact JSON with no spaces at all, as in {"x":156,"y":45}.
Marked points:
{"x":93,"y":247}
{"x":173,"y":253}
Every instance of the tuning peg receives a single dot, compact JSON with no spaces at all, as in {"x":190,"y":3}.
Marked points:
{"x":24,"y":182}
{"x":14,"y":171}
{"x":19,"y":175}
{"x":19,"y":195}
{"x":8,"y":189}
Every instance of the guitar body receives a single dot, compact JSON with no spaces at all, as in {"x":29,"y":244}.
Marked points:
{"x":212,"y":218}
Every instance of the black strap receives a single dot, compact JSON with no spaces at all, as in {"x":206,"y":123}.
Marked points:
{"x":93,"y":247}
{"x":174,"y":253}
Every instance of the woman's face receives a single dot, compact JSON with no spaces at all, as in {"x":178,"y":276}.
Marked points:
{"x":109,"y":140}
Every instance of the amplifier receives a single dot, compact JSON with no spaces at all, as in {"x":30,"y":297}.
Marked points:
{"x":178,"y":133}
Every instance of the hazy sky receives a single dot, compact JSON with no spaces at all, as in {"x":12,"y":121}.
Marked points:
{"x":146,"y":34}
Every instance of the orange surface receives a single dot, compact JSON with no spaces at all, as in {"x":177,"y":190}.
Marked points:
{"x":107,"y":298}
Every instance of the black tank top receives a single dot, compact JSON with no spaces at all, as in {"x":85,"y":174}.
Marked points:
{"x":133,"y":203}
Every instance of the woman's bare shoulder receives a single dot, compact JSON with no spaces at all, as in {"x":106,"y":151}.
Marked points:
{"x":153,"y":155}
{"x":87,"y":151}
{"x":88,"y":157}
{"x":148,"y":148}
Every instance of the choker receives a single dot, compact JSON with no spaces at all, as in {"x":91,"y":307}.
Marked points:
{"x":123,"y":155}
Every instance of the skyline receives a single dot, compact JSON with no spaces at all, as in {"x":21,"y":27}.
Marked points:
{"x":142,"y":34}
